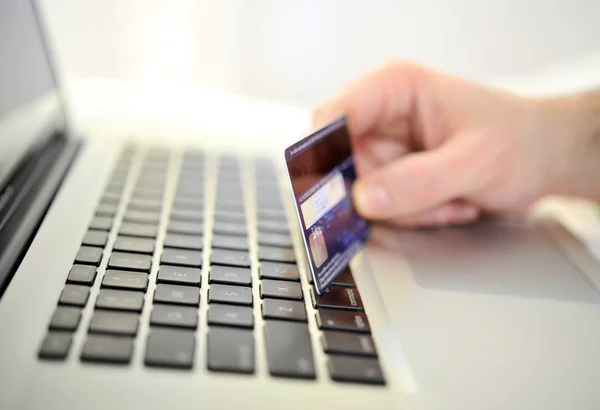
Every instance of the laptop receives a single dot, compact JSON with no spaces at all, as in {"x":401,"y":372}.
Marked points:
{"x":137,"y":276}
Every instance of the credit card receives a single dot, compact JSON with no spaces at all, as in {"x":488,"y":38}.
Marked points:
{"x":321,"y":173}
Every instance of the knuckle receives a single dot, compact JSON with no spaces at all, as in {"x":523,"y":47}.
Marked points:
{"x":395,"y":64}
{"x":401,"y":67}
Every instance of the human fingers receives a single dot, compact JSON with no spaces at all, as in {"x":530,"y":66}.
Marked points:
{"x":412,"y":184}
{"x":376,"y":99}
{"x":455,"y":212}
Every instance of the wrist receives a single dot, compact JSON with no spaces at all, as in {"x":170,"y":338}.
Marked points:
{"x":574,"y":123}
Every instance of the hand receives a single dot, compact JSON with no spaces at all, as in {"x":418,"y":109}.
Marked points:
{"x":434,"y":150}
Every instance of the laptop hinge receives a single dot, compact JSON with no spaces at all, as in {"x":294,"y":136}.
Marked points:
{"x":26,"y":197}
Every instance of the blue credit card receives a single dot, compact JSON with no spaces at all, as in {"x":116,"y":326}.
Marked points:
{"x":321,"y":172}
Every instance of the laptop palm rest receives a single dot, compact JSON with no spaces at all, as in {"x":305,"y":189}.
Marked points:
{"x":487,"y":309}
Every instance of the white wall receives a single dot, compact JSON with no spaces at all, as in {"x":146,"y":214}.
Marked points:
{"x":301,"y":51}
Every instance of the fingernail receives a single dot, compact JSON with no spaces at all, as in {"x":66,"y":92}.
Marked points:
{"x":429,"y":218}
{"x":465,"y":213}
{"x":370,"y":198}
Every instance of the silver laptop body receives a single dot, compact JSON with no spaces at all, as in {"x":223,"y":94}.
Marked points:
{"x":137,"y":276}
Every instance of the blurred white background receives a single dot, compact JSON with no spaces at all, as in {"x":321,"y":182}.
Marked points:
{"x":299,"y":52}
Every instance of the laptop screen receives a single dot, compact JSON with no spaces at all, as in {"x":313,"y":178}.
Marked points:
{"x":30,"y":107}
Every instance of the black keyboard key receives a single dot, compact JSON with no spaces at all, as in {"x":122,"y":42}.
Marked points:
{"x":74,"y":295}
{"x":187,"y":215}
{"x":276,"y":206}
{"x":338,"y":297}
{"x":275,"y":239}
{"x":235,"y":295}
{"x":191,"y":173}
{"x":229,"y":228}
{"x":153,"y":173}
{"x":181,"y":257}
{"x":65,"y":318}
{"x":230,"y":350}
{"x":110,"y":349}
{"x":331,"y":319}
{"x":348,"y":343}
{"x":133,"y":261}
{"x":193,"y":157}
{"x":191,"y":176}
{"x":344,"y":279}
{"x":289,"y":351}
{"x":152,"y":178}
{"x":89,"y":255}
{"x":230,"y":202}
{"x":239,"y":243}
{"x":270,"y":202}
{"x":230,"y":216}
{"x":114,"y":323}
{"x":190,"y":184}
{"x":145,"y":204}
{"x":95,"y":238}
{"x":230,"y":186}
{"x":120,"y":300}
{"x":151,"y":187}
{"x":115,"y":187}
{"x":179,"y":275}
{"x":271,"y":215}
{"x":267,"y":190}
{"x":188,"y":204}
{"x":106,"y":210}
{"x":148,"y":193}
{"x":101,"y":223}
{"x":230,"y":315}
{"x":135,"y":245}
{"x":136,"y":229}
{"x":231,"y":258}
{"x":55,"y":345}
{"x":120,"y":279}
{"x":230,"y":275}
{"x":229,"y":190}
{"x":355,"y":369}
{"x":82,"y":275}
{"x":280,"y":271}
{"x":268,"y":197}
{"x":278,"y":227}
{"x":151,"y":217}
{"x":278,"y":289}
{"x":284,"y":310}
{"x":185,"y":227}
{"x":229,"y":182}
{"x":177,"y":295}
{"x":177,"y":240}
{"x":274,"y":254}
{"x":170,"y":348}
{"x":174,"y":316}
{"x":110,"y":198}
{"x":189,"y":192}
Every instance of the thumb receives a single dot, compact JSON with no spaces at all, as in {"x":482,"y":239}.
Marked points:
{"x":412,"y":184}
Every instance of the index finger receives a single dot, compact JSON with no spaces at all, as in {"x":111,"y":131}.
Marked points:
{"x":372,"y":101}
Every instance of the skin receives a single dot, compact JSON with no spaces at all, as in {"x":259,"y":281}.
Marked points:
{"x":435,"y":150}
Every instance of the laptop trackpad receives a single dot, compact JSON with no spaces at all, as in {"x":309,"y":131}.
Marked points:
{"x":491,"y":257}
{"x":490,"y":316}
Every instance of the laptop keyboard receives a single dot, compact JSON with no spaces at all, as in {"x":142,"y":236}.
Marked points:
{"x":153,"y":226}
